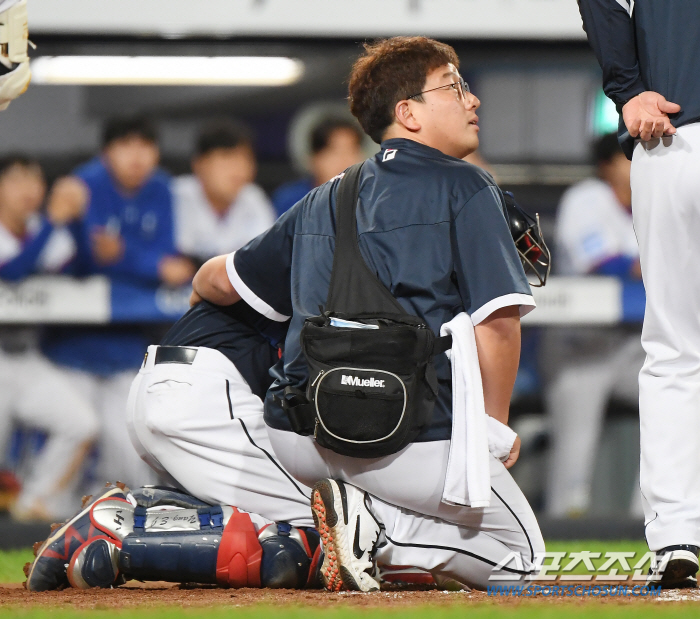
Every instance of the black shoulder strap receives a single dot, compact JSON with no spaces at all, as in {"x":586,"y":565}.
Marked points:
{"x":354,"y":289}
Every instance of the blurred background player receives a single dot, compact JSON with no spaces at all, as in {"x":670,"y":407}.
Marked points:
{"x":126,"y":234}
{"x":14,"y":62}
{"x":219,"y":208}
{"x":33,"y":393}
{"x":335,"y":144}
{"x":594,"y":236}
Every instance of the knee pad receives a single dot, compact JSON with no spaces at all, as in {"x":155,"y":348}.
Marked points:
{"x":287,"y":556}
{"x":240,"y":553}
{"x":95,"y":564}
{"x":202,"y":543}
{"x":315,"y":549}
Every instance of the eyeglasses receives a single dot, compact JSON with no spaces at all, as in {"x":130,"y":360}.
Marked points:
{"x":460,"y":87}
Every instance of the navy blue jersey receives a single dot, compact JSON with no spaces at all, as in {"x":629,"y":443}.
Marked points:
{"x":430,"y":226}
{"x":248,"y":339}
{"x":653,"y":47}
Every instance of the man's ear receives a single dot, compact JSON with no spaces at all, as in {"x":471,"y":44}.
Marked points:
{"x":404,"y":116}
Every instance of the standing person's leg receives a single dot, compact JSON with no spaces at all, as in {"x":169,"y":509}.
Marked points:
{"x":49,"y":402}
{"x":8,"y":388}
{"x":576,"y":402}
{"x":202,"y":424}
{"x":666,"y":209}
{"x":582,"y":366}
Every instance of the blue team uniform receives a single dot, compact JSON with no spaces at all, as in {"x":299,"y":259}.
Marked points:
{"x":287,"y":195}
{"x":145,"y":223}
{"x":26,"y":262}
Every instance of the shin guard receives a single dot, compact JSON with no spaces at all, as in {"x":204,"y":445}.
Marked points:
{"x":177,"y":545}
{"x":173,"y":536}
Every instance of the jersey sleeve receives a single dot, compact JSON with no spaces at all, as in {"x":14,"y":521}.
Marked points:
{"x":489,"y":273}
{"x":261,"y":271}
{"x":608,"y":25}
{"x":26,"y":262}
{"x":584,"y":228}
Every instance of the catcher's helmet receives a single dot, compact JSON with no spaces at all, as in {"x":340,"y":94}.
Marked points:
{"x":529,"y":242}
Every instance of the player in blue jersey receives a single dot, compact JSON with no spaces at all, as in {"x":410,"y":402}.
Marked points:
{"x":125,"y":234}
{"x":33,"y":392}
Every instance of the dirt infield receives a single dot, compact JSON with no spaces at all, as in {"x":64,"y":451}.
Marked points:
{"x":140,"y":595}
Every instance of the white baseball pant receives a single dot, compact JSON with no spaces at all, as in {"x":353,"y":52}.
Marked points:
{"x":449,"y":541}
{"x":201,"y":428}
{"x":34,"y":393}
{"x":666,"y":210}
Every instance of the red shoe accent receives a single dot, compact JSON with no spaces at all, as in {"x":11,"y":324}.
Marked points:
{"x":406,"y":574}
{"x":302,"y":534}
{"x":314,"y":565}
{"x":70,"y":535}
{"x":240,"y":554}
{"x":330,"y":572}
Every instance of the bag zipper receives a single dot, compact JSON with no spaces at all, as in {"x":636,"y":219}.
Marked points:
{"x":318,"y":376}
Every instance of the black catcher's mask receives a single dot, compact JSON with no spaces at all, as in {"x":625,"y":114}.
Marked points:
{"x":529,"y":242}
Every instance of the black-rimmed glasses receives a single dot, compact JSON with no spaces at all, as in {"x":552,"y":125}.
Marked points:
{"x":460,"y":87}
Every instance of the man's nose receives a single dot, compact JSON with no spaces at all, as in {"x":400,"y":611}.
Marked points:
{"x":471,"y":101}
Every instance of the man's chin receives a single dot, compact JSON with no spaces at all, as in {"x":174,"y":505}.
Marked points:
{"x":470,"y":147}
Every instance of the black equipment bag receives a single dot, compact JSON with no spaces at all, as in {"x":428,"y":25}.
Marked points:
{"x":372,"y":384}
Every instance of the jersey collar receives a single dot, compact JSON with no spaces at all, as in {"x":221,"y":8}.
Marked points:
{"x":417,"y":148}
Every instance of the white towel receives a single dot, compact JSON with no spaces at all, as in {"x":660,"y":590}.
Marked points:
{"x":501,"y":438}
{"x":468,"y":476}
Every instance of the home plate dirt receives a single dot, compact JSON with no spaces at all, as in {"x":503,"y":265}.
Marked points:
{"x":166,"y":594}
